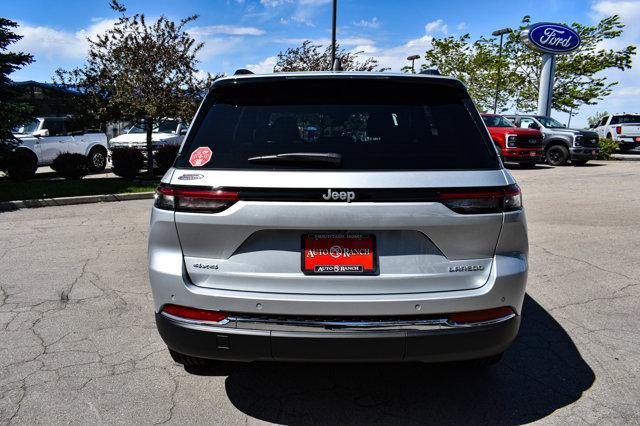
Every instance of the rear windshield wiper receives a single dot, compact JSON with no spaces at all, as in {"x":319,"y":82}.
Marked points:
{"x":330,"y":158}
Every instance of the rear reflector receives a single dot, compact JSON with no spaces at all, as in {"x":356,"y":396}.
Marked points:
{"x":194,"y":314}
{"x":479,"y":201}
{"x":480,"y":316}
{"x":194,"y":200}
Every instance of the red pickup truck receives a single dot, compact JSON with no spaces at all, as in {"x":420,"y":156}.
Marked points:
{"x":523,"y":146}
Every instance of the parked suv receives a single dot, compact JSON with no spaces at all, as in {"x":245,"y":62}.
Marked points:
{"x":561,"y":144}
{"x":45,"y":138}
{"x":622,"y":128}
{"x":522,"y":146}
{"x":338,"y":217}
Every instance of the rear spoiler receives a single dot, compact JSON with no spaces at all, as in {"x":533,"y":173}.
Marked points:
{"x":408,"y":78}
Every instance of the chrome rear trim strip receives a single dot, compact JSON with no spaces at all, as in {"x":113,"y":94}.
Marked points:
{"x":275,"y":324}
{"x":222,"y":323}
{"x":295,"y":325}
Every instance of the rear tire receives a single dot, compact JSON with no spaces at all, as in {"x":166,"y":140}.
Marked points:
{"x":557,"y":155}
{"x":189,"y":361}
{"x":97,"y":159}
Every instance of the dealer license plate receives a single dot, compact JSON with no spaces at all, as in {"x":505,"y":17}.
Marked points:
{"x":339,"y":253}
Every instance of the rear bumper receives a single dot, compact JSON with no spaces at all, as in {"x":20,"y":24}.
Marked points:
{"x":627,"y":139}
{"x":504,"y":287}
{"x":455,"y":344}
{"x":628,"y":144}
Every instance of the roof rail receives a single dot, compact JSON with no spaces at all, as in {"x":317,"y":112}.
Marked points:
{"x":431,"y":71}
{"x":243,"y":71}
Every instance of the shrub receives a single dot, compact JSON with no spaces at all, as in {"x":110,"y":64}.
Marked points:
{"x":607,"y":147}
{"x":7,"y":148}
{"x":71,"y":166}
{"x":21,"y":164}
{"x":126,"y":162}
{"x":165,"y":156}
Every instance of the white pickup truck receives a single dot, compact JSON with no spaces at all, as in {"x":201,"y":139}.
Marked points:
{"x":169,"y":132}
{"x":47,"y":137}
{"x":622,"y":128}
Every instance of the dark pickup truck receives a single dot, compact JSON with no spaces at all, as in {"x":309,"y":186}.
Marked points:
{"x":561,"y":144}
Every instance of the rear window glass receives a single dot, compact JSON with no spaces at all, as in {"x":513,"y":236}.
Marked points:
{"x":370,"y":124}
{"x":624,"y":119}
{"x":496,"y":121}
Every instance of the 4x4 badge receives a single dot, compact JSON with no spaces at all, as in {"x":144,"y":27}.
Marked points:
{"x":466,"y":268}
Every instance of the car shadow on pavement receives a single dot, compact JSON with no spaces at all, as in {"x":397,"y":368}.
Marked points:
{"x":591,"y":165}
{"x":539,"y":166}
{"x":48,"y":175}
{"x":542,"y":372}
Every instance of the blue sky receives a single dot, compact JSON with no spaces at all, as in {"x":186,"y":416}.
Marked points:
{"x":249,"y":33}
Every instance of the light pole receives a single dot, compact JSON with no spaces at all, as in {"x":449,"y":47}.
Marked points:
{"x":333,"y":35}
{"x":413,"y":58}
{"x":500,"y":33}
{"x":570,"y":116}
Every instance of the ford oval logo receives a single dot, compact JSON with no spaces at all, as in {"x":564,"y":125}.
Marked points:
{"x":551,"y":38}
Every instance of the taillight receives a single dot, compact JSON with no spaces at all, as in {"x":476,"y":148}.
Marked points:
{"x":480,"y":316}
{"x":194,"y":314}
{"x":619,"y":129}
{"x":194,"y":200}
{"x":483,"y":201}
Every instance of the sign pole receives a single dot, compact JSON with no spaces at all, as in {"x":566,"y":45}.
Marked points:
{"x":545,"y":92}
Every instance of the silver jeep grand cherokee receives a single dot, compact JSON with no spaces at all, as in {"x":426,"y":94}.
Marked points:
{"x":338,"y":217}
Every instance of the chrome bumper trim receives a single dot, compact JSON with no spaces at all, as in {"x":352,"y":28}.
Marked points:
{"x":249,"y":323}
{"x":222,"y":323}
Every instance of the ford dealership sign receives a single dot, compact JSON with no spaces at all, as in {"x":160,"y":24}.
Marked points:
{"x":551,"y":38}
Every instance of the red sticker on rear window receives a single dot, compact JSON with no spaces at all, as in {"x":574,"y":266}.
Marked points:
{"x":200,"y":156}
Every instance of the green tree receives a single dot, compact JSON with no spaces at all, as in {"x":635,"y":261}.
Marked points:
{"x":595,"y":119}
{"x":311,"y":57}
{"x":141,"y":72}
{"x":577,"y":79}
{"x":12,"y":111}
{"x":474,"y":63}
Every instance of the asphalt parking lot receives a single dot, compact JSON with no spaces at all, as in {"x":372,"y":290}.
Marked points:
{"x":78,"y":342}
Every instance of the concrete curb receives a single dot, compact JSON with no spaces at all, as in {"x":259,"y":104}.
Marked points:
{"x":67,"y":201}
{"x":625,"y":157}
